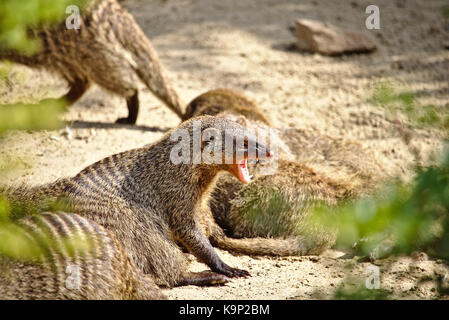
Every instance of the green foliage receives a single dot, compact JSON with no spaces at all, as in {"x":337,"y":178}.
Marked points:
{"x":359,"y":292}
{"x":445,"y":11}
{"x":4,"y":72}
{"x":44,"y":115}
{"x":383,"y":94}
{"x":398,"y":220}
{"x":426,"y":115}
{"x":17,"y":15}
{"x":271,"y":211}
{"x":267,"y":212}
{"x":17,"y":243}
{"x":15,"y":18}
{"x":408,"y":217}
{"x":415,"y":216}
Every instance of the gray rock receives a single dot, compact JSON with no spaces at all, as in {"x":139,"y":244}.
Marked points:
{"x":314,"y":36}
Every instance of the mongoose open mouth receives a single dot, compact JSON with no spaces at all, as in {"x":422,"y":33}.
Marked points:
{"x":240,"y":169}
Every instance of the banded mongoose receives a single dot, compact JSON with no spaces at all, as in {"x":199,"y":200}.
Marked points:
{"x":72,"y":258}
{"x":108,"y":49}
{"x":279,"y":205}
{"x":149,"y":202}
{"x":224,"y":102}
{"x":334,"y":157}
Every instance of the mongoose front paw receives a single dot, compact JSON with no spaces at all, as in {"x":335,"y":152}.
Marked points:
{"x":233,"y":272}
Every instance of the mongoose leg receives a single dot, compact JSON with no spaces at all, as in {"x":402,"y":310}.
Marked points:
{"x":197,"y":243}
{"x":77,"y":89}
{"x":205,"y":278}
{"x":133,"y":109}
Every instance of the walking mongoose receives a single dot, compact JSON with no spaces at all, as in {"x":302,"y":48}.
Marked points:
{"x":150,"y":202}
{"x":325,"y":171}
{"x":73,"y":258}
{"x":108,"y":49}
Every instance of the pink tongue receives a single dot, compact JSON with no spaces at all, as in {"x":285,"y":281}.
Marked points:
{"x":243,"y":172}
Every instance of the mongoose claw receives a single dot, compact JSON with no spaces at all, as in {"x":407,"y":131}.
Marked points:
{"x":241,"y":273}
{"x":234,"y":272}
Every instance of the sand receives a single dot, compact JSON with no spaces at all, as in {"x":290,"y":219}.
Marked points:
{"x":246,"y":45}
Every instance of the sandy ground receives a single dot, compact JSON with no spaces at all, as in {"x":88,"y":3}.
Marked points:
{"x":245,"y":45}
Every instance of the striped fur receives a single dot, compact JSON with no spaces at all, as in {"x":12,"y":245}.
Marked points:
{"x":72,"y":247}
{"x":109,"y":49}
{"x":149,"y":203}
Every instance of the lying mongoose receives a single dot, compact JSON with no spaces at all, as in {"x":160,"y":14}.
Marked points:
{"x":224,"y":102}
{"x":150,"y":202}
{"x":108,"y":49}
{"x":279,"y":205}
{"x":73,"y":258}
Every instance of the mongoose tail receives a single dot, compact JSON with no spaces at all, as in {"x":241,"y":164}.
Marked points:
{"x":146,"y":64}
{"x":293,"y":246}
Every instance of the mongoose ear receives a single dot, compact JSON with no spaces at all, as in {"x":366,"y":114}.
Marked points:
{"x":242,"y":121}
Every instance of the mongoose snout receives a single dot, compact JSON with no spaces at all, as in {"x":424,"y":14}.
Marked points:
{"x":251,"y":150}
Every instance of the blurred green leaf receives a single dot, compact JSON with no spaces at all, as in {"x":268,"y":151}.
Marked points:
{"x":21,"y":244}
{"x":360,"y":292}
{"x":44,"y":115}
{"x":416,"y":216}
{"x":16,"y":16}
{"x":445,"y":11}
{"x":385,"y":95}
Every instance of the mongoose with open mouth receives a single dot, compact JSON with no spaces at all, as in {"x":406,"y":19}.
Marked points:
{"x":71,"y":258}
{"x":150,"y":201}
{"x":108,"y":49}
{"x":278,"y":206}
